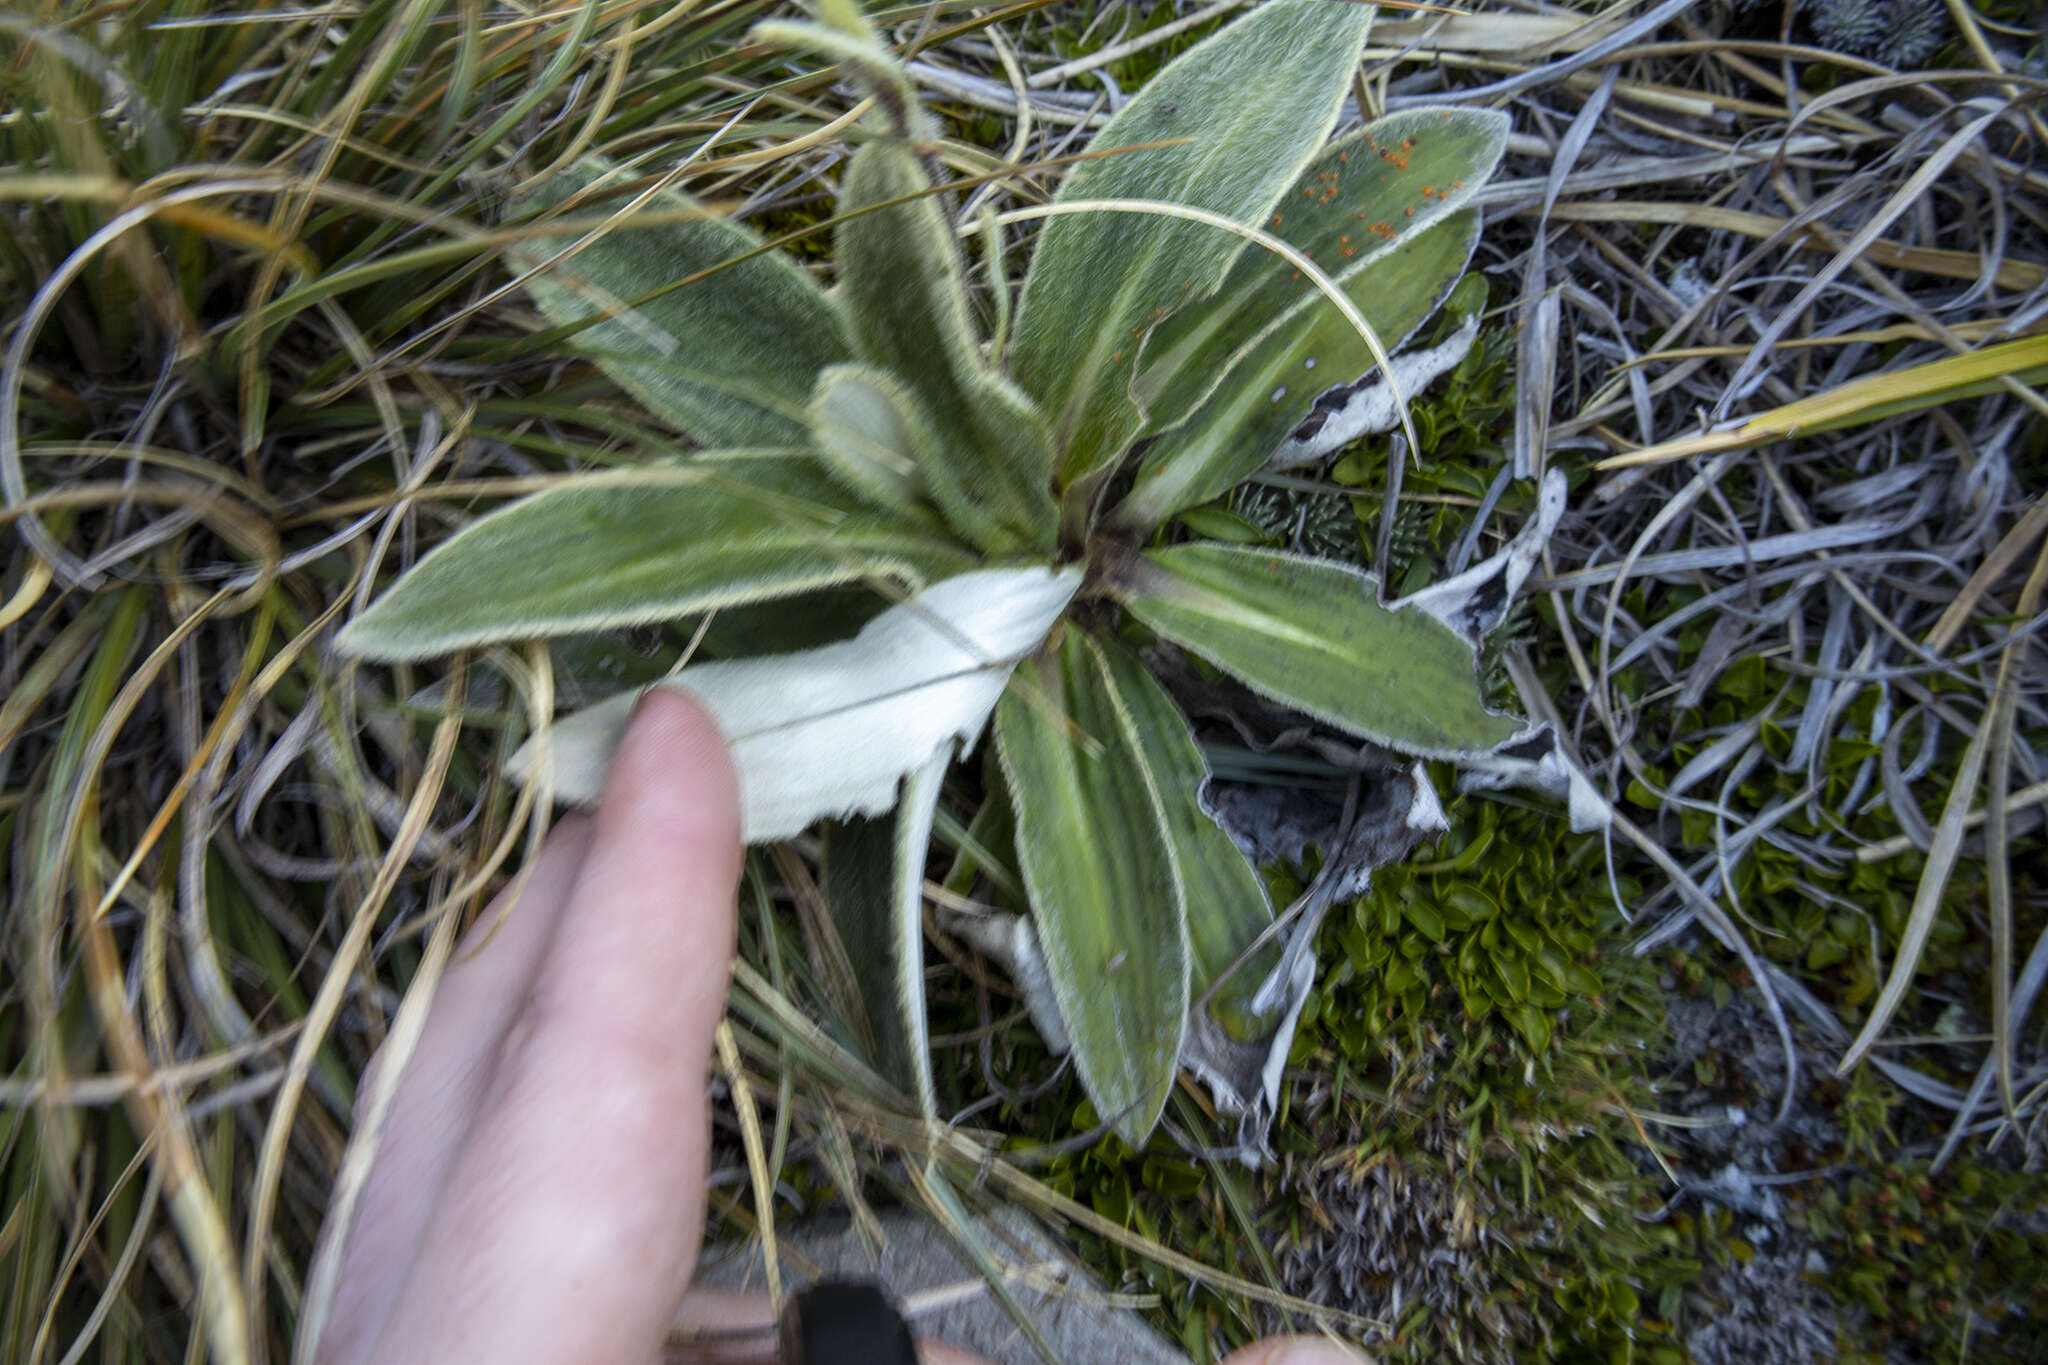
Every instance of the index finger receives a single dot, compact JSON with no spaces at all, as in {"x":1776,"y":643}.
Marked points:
{"x":570,"y":1227}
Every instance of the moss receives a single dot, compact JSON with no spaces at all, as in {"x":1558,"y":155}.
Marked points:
{"x":1457,"y":1151}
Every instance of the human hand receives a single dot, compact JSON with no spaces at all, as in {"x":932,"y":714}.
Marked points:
{"x":539,"y":1192}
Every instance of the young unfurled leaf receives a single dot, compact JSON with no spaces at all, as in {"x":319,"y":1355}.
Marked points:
{"x":1105,"y":894}
{"x":1355,"y":205}
{"x":648,"y":544}
{"x":831,"y":731}
{"x":1312,"y":634}
{"x":1274,"y":388}
{"x":1227,"y":906}
{"x":726,"y":349}
{"x":871,"y":434}
{"x":989,"y":465}
{"x":1245,"y":109}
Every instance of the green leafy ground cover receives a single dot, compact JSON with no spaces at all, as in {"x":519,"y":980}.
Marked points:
{"x":1520,"y":1139}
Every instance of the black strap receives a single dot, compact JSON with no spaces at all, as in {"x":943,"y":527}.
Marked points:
{"x":844,"y":1322}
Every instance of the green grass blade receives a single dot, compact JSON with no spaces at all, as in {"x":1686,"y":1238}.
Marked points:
{"x":1313,"y":634}
{"x":1105,"y":895}
{"x":1246,"y":110}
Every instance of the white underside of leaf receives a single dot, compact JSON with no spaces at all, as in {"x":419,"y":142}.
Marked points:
{"x":1372,"y":406}
{"x":830,"y":732}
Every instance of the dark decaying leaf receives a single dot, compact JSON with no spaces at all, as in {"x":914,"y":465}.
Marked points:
{"x":874,"y":884}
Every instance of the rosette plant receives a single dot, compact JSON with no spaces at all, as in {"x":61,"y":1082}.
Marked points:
{"x":1208,"y":283}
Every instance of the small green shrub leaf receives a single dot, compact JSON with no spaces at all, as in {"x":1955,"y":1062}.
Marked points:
{"x":1273,"y":387}
{"x":726,"y":349}
{"x":647,"y":544}
{"x":871,"y":434}
{"x":1106,"y":896}
{"x":1246,"y":109}
{"x":989,"y":463}
{"x":1313,"y":634}
{"x":1360,"y":200}
{"x":1227,"y":906}
{"x":829,"y":732}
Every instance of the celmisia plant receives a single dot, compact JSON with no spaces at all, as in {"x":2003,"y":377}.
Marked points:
{"x":1206,"y":288}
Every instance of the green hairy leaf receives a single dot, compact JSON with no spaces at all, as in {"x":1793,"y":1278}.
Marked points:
{"x":989,"y":462}
{"x":1105,"y":895}
{"x":1312,"y":634}
{"x":871,"y":434}
{"x":1248,"y":108}
{"x":647,"y":544}
{"x":1227,"y":905}
{"x":728,"y":356}
{"x":1362,"y":198}
{"x":1274,"y":384}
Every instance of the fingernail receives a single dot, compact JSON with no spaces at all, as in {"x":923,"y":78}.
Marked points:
{"x":1310,"y":1351}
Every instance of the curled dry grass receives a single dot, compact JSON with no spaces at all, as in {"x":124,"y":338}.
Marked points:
{"x":260,"y":356}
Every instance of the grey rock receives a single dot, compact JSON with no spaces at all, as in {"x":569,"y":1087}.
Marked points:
{"x":917,"y":1264}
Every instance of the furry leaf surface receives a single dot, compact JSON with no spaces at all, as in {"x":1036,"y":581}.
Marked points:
{"x":872,"y":435}
{"x":1284,"y":380}
{"x":1227,"y":905}
{"x":989,"y":463}
{"x":830,"y":732}
{"x":1106,"y":897}
{"x":1360,"y":200}
{"x":723,"y":348}
{"x":647,"y":544}
{"x":1246,"y":110}
{"x":1313,"y":634}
